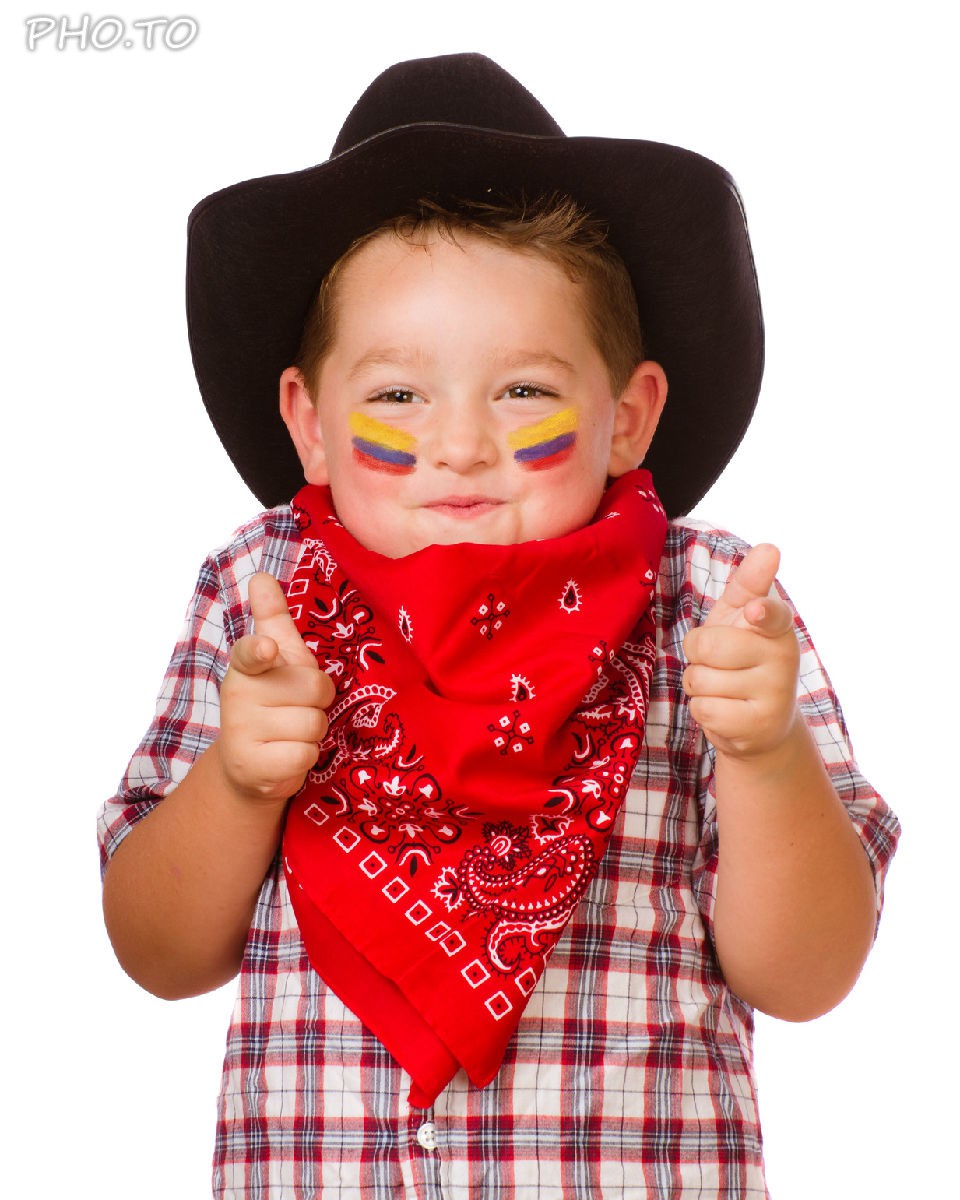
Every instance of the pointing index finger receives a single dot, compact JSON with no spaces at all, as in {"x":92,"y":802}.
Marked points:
{"x":752,"y":580}
{"x":268,"y":607}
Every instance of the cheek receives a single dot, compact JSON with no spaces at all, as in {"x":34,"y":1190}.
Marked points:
{"x":545,"y":444}
{"x":379,"y":447}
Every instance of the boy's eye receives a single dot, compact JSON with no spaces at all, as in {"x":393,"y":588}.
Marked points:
{"x":396,"y":396}
{"x":526,"y":391}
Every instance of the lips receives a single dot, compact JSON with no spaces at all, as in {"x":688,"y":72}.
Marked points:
{"x":463,"y":506}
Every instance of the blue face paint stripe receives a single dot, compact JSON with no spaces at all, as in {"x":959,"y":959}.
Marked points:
{"x":544,"y":449}
{"x":399,"y":458}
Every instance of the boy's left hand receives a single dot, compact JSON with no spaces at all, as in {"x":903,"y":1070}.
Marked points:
{"x":743,"y":662}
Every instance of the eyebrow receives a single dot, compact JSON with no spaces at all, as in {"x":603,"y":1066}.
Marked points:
{"x":402,"y":356}
{"x":535,"y":358}
{"x":387,"y":356}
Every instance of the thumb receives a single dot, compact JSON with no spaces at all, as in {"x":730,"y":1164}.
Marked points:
{"x":752,"y":580}
{"x":769,"y":616}
{"x":271,"y":617}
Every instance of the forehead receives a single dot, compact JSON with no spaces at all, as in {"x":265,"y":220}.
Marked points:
{"x":437,"y":278}
{"x":386,"y":252}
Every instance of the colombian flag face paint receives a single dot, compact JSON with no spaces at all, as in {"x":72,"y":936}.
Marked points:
{"x":547,"y":443}
{"x":381,"y":447}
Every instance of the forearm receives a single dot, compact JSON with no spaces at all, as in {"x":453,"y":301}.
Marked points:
{"x":180,"y":891}
{"x":795,"y":902}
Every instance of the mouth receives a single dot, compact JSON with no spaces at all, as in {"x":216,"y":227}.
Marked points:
{"x":463,"y":507}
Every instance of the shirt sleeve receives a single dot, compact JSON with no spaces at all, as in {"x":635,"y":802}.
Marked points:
{"x":714,"y":558}
{"x":187,"y":716}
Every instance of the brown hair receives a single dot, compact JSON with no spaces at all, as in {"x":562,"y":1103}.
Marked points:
{"x":554,"y":227}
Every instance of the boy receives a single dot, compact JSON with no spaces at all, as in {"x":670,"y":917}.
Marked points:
{"x":501,"y":950}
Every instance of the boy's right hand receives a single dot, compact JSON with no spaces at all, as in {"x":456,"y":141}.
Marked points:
{"x":272,"y":702}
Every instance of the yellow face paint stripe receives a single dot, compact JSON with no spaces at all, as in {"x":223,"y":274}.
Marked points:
{"x":546,"y":430}
{"x":372,"y":430}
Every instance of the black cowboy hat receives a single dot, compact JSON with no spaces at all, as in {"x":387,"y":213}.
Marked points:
{"x":460,"y":127}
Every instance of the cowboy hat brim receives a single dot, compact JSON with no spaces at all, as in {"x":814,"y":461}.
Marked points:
{"x":258,"y":250}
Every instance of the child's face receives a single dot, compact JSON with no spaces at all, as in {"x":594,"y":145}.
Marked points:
{"x":463,"y":400}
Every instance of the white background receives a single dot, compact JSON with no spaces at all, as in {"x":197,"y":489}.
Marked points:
{"x":839,"y":123}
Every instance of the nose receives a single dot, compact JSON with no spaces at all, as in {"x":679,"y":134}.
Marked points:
{"x":462,"y":437}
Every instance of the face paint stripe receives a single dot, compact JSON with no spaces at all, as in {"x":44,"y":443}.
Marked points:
{"x":384,"y":454}
{"x":378,"y":464}
{"x":542,"y":464}
{"x":551,"y":427}
{"x":543,"y":450}
{"x":374,"y":432}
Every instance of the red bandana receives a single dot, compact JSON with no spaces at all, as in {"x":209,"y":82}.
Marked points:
{"x":489,"y":712}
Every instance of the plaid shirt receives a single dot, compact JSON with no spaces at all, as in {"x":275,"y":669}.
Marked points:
{"x":630,"y":1075}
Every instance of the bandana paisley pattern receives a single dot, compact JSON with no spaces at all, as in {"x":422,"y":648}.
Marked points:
{"x":489,"y":711}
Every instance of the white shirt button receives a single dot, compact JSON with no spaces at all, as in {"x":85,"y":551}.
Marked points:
{"x":427,"y":1135}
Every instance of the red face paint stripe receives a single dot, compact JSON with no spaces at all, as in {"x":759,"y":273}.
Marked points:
{"x":559,"y":455}
{"x":383,"y":465}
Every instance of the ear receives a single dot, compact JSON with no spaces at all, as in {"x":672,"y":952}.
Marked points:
{"x":638,"y":412}
{"x":303,"y":424}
